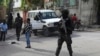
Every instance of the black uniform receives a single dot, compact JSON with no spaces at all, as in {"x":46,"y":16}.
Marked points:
{"x":10,"y":21}
{"x":18,"y":25}
{"x":65,"y":35}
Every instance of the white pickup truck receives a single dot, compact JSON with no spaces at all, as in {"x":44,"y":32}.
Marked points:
{"x":47,"y":22}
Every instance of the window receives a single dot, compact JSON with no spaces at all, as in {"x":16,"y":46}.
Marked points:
{"x":30,"y":15}
{"x":48,"y":15}
{"x":33,"y":15}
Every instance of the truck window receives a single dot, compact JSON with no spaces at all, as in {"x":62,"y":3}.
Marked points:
{"x":30,"y":15}
{"x":48,"y":15}
{"x":33,"y":14}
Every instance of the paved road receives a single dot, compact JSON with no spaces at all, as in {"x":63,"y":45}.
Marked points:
{"x":84,"y":44}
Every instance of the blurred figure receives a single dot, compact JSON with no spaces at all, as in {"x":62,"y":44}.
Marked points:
{"x":74,"y":19}
{"x":28,"y":30}
{"x":18,"y":25}
{"x":4,"y":28}
{"x":65,"y":30}
{"x":0,"y":29}
{"x":78,"y":24}
{"x":10,"y":21}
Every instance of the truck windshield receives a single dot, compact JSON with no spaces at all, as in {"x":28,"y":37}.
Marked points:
{"x":48,"y":15}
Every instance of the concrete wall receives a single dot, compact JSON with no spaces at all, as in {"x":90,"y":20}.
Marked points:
{"x":85,"y":11}
{"x":73,"y":10}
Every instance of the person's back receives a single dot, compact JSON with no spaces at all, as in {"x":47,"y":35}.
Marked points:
{"x":10,"y":20}
{"x":74,"y":18}
{"x":18,"y":25}
{"x":4,"y":27}
{"x":18,"y":22}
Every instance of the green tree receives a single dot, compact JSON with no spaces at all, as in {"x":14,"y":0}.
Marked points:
{"x":32,"y":4}
{"x":36,"y":3}
{"x":1,"y":2}
{"x":5,"y":2}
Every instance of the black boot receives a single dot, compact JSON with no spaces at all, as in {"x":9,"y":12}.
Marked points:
{"x":18,"y":39}
{"x":28,"y":47}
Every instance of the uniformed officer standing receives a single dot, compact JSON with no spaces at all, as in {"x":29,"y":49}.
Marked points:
{"x":18,"y":25}
{"x":65,"y":30}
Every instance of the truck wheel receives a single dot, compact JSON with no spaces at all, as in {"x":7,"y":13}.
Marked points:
{"x":35,"y":32}
{"x":46,"y":31}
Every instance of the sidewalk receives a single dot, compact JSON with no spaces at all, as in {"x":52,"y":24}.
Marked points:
{"x":93,"y":28}
{"x":88,"y":30}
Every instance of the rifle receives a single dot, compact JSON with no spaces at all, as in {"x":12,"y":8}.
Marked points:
{"x":64,"y":26}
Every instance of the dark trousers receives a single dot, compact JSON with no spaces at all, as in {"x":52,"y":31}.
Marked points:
{"x":3,"y":35}
{"x":68,"y":42}
{"x":18,"y":30}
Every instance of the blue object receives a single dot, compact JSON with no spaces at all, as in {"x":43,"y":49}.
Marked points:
{"x":27,"y":34}
{"x":3,"y":27}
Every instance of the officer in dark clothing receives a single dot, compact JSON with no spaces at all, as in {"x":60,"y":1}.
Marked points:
{"x":10,"y":21}
{"x":65,"y":30}
{"x":18,"y":25}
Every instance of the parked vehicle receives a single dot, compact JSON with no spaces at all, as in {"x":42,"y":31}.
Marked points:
{"x":45,"y":20}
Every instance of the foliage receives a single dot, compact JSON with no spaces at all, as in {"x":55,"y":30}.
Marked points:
{"x":31,"y":3}
{"x":23,"y":2}
{"x":36,"y":3}
{"x":1,"y":2}
{"x":5,"y":3}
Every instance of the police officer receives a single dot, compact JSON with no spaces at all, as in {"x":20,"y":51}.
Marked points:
{"x":65,"y":30}
{"x":18,"y":25}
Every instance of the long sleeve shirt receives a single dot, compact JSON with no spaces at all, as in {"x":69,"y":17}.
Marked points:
{"x":4,"y":27}
{"x":28,"y":28}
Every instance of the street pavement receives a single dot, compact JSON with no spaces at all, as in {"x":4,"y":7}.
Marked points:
{"x":85,"y":43}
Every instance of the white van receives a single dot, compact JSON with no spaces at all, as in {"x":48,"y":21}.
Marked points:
{"x":47,"y":22}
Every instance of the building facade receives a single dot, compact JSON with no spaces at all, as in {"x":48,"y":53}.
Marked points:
{"x":16,"y":8}
{"x":84,"y":9}
{"x":87,"y":12}
{"x":72,"y":5}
